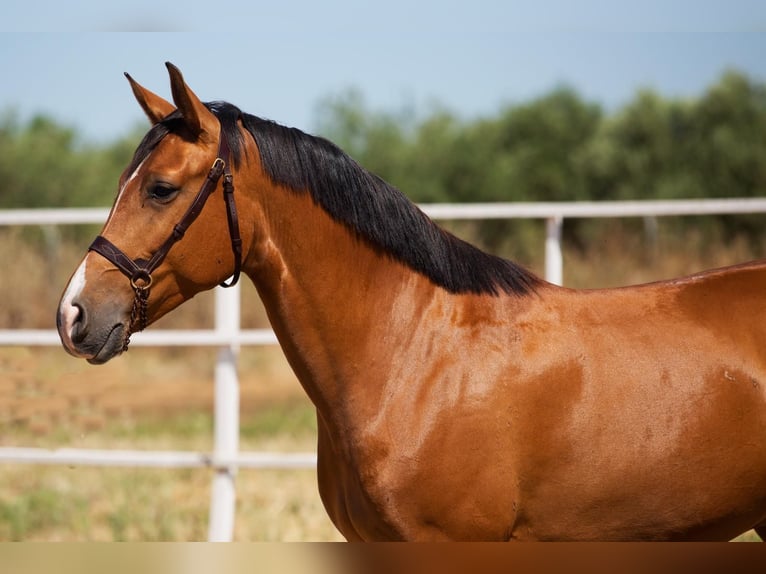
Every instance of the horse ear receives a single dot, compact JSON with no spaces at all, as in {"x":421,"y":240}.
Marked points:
{"x":197,"y":117}
{"x":155,"y":107}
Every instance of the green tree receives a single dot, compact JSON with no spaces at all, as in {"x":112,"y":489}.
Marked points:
{"x":44,"y":164}
{"x":37,"y":161}
{"x":543,"y":142}
{"x":638,"y":153}
{"x":727,"y":143}
{"x":530,"y":152}
{"x":670,"y":149}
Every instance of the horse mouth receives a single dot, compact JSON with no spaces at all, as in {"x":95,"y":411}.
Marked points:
{"x":113,"y":345}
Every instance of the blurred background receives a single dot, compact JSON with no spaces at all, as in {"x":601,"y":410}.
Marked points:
{"x":458,"y":102}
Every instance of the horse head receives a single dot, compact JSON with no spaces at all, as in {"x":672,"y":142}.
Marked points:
{"x":139,"y":269}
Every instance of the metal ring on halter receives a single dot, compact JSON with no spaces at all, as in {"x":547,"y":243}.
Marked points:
{"x":141,"y":275}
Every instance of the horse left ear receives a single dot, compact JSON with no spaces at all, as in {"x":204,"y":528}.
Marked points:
{"x":197,"y":117}
{"x":155,"y":107}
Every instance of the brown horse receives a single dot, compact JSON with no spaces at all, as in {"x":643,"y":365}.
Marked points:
{"x":458,"y":396}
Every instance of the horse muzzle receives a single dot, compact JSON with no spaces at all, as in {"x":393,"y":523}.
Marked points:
{"x":83,"y":335}
{"x":95,"y":332}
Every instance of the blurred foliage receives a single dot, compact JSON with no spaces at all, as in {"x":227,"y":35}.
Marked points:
{"x":562,"y":148}
{"x":557,"y":147}
{"x":45,"y":164}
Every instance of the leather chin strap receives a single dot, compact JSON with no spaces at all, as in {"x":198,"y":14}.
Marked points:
{"x":139,"y":271}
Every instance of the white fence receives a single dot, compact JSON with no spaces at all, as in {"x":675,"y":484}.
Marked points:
{"x":227,"y":335}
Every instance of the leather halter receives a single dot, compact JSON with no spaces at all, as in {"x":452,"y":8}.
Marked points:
{"x":139,"y":271}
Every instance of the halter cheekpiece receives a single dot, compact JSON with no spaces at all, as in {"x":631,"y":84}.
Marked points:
{"x":139,"y":271}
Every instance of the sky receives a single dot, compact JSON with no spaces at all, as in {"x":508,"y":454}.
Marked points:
{"x":280,"y":59}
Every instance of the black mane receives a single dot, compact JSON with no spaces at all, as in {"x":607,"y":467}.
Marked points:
{"x":376,"y":211}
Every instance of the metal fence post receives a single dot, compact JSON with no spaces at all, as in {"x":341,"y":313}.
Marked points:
{"x":554,"y":261}
{"x":226,"y":417}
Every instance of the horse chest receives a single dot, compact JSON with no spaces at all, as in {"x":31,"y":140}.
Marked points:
{"x":380,"y":490}
{"x":358,"y":502}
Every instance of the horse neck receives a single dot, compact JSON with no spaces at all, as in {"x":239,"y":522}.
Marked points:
{"x":331,"y":297}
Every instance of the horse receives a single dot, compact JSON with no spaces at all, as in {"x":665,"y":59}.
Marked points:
{"x":458,"y":395}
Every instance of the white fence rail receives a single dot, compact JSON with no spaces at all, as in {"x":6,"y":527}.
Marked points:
{"x":227,"y":335}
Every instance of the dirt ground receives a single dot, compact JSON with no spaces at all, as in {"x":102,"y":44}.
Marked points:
{"x":42,"y":389}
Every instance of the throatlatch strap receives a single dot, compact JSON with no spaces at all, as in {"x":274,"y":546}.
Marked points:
{"x":231,"y":216}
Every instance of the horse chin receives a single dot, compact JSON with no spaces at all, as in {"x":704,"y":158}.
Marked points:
{"x":113,"y":345}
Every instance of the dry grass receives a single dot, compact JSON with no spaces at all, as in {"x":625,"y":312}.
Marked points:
{"x":161,"y":399}
{"x":631,"y":259}
{"x":48,"y":503}
{"x":168,"y":407}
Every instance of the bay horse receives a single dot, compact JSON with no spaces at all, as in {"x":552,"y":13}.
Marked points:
{"x":458,"y":395}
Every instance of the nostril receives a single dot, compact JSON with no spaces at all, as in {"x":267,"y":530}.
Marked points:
{"x":78,"y":322}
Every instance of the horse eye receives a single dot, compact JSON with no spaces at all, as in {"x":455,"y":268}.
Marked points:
{"x":162,"y":192}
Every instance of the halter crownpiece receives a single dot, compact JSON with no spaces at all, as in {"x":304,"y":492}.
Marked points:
{"x":139,"y":271}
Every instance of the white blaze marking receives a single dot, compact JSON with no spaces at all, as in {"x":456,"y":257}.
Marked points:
{"x":68,"y":311}
{"x":122,"y":190}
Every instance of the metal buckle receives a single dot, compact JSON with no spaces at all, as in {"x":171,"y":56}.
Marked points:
{"x":218,"y":166}
{"x":143,"y":276}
